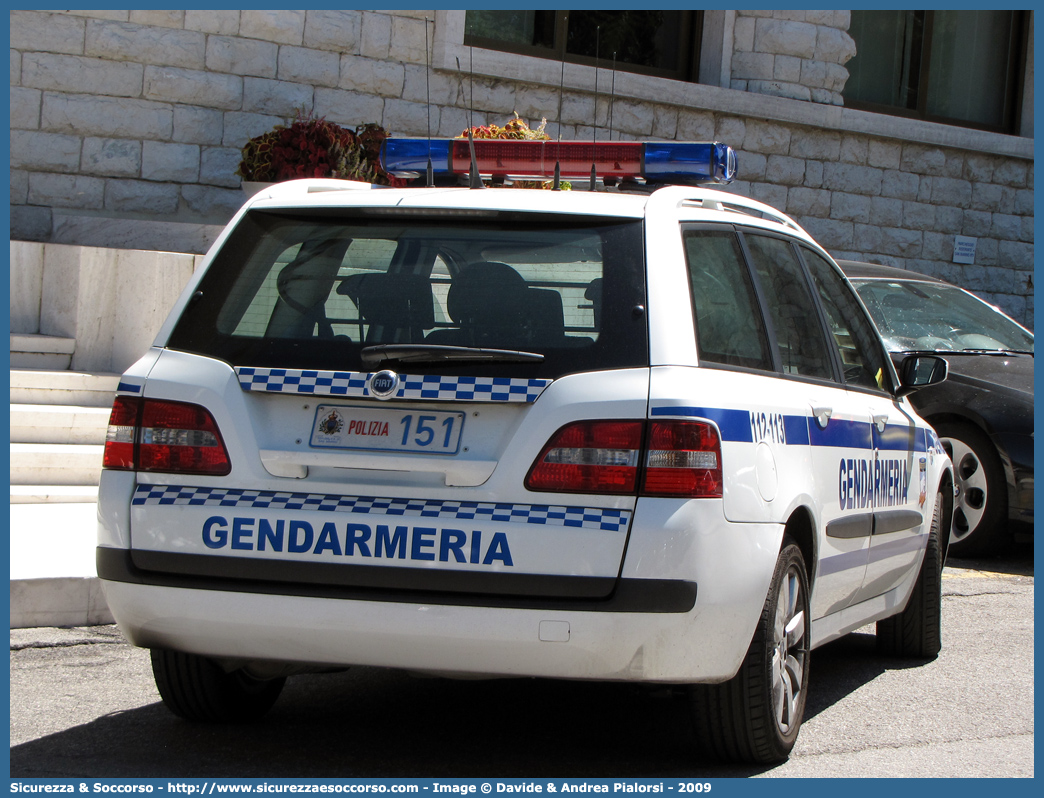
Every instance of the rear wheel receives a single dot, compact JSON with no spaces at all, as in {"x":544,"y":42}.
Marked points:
{"x":980,"y":512}
{"x":916,"y":632}
{"x":196,"y":688}
{"x":755,"y":716}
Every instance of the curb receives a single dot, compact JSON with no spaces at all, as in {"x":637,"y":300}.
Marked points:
{"x":58,"y":601}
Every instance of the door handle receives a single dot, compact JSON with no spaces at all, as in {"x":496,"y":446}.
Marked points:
{"x":881,"y":422}
{"x":822,"y":415}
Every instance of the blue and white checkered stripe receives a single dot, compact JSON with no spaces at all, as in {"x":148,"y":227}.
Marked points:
{"x":542,"y":514}
{"x":355,"y":384}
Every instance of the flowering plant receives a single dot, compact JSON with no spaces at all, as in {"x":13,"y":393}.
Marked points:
{"x":517,"y":129}
{"x":514,"y":129}
{"x":313,"y":147}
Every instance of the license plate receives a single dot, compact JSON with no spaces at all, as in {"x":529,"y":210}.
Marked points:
{"x":385,"y":429}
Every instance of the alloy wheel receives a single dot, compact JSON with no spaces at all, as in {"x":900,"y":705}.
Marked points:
{"x":972,"y":490}
{"x":790,"y":652}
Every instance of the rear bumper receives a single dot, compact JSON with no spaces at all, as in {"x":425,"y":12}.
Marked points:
{"x":648,"y":630}
{"x":375,"y":584}
{"x":450,"y":639}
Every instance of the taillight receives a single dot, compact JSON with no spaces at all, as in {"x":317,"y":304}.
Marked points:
{"x":119,"y":439}
{"x":174,"y":437}
{"x":683,"y":459}
{"x":589,"y":457}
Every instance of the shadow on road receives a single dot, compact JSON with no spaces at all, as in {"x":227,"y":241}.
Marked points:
{"x":1008,"y":565}
{"x":1014,"y":559}
{"x":369,"y":722}
{"x":843,"y":666}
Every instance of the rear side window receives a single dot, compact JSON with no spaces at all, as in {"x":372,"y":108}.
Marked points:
{"x":729,"y":328}
{"x":800,"y":337}
{"x":301,"y":290}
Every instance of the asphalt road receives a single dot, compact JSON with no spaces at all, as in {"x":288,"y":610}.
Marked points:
{"x":83,"y":704}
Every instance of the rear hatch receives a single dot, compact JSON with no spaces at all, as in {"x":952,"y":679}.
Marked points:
{"x":383,"y":380}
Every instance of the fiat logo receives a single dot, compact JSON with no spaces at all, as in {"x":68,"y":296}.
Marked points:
{"x":384,"y":383}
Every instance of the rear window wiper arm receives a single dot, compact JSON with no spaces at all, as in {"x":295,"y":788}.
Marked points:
{"x":429,"y":353}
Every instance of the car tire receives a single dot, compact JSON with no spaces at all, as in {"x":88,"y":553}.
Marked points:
{"x":981,"y":505}
{"x":755,"y":716}
{"x":916,"y":632}
{"x":197,"y":689}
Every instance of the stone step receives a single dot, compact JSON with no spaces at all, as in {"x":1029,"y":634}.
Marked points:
{"x":55,"y":464}
{"x":58,"y":424}
{"x":45,"y":352}
{"x":35,"y":342}
{"x":77,"y":388}
{"x":54,"y":494}
{"x":44,"y":361}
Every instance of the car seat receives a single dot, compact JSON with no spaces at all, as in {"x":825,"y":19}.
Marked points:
{"x":397,"y":308}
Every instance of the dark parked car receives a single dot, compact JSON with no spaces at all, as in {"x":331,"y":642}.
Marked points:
{"x":983,"y":412}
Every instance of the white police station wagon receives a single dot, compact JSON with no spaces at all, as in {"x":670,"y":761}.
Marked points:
{"x":645,"y":436}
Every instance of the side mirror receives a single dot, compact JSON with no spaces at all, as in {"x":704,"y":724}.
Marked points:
{"x":919,"y":371}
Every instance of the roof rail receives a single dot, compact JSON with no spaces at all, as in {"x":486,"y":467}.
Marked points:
{"x":735,"y":203}
{"x":311,"y":185}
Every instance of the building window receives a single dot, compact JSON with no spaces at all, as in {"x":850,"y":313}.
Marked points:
{"x":659,"y":43}
{"x":957,"y":67}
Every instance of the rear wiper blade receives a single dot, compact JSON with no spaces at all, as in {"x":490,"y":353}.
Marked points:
{"x":429,"y":353}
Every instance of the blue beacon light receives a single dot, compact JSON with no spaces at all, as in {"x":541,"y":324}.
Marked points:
{"x":658,"y":162}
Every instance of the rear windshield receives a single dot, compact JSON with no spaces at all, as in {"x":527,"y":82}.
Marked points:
{"x":289,"y":290}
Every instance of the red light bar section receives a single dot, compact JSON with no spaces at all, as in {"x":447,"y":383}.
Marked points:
{"x":522,"y":158}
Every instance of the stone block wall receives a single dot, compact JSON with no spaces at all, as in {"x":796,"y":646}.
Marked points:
{"x":139,"y":116}
{"x":900,"y":203}
{"x":142,"y":114}
{"x":796,"y":54}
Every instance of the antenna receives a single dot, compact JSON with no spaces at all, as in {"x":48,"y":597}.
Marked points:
{"x":471,"y":142}
{"x":557,"y":186}
{"x":462,"y":94}
{"x":612,"y":97}
{"x":594,"y":126}
{"x":474,"y":178}
{"x":427,"y":91}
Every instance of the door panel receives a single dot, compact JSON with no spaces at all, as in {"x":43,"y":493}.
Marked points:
{"x":842,"y":455}
{"x":901,"y":510}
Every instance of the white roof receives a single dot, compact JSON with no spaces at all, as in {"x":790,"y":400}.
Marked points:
{"x":331,"y":193}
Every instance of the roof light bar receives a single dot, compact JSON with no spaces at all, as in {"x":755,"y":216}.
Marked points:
{"x":653,"y":162}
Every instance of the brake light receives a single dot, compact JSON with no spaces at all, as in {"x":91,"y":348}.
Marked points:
{"x":654,"y":161}
{"x":683,"y":459}
{"x":173,"y":437}
{"x":119,"y":439}
{"x":589,"y":457}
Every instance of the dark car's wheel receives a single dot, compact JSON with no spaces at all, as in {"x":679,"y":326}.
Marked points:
{"x":916,"y":632}
{"x":981,"y":505}
{"x":755,"y":716}
{"x":196,"y":688}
